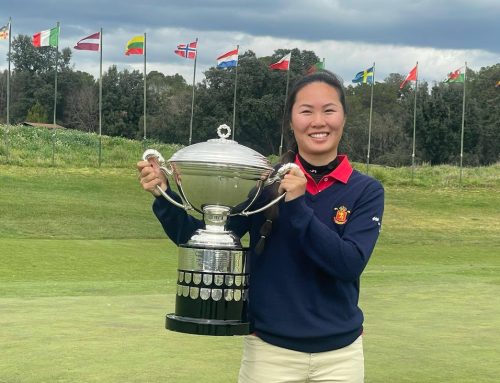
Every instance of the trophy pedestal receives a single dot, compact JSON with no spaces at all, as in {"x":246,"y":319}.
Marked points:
{"x":212,"y":292}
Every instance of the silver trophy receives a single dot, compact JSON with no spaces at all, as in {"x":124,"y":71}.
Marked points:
{"x":218,"y":178}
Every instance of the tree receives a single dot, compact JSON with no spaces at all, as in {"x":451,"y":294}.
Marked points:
{"x":37,"y":113}
{"x":122,"y":102}
{"x":82,"y":109}
{"x":33,"y":76}
{"x":169,"y":107}
{"x":260,"y":99}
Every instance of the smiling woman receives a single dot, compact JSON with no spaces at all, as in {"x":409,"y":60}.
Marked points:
{"x":307,"y":255}
{"x":321,"y":240}
{"x":317,"y":122}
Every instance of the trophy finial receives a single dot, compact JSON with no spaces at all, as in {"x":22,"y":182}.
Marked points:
{"x":221,"y":134}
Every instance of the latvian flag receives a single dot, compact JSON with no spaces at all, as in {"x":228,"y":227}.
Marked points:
{"x":91,"y":45}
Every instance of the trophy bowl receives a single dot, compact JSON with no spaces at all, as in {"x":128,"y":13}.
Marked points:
{"x":218,"y":178}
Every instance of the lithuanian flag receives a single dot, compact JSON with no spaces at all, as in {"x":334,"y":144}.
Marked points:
{"x":135,"y":46}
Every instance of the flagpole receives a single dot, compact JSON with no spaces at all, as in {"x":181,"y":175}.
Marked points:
{"x":370,"y":120}
{"x":100,"y":98}
{"x":145,"y":86}
{"x":55,"y":97}
{"x":8,"y":73}
{"x":414,"y":124}
{"x":284,"y":112}
{"x":234,"y":98}
{"x":463,"y":123}
{"x":284,"y":108}
{"x":8,"y":94}
{"x":192,"y":99}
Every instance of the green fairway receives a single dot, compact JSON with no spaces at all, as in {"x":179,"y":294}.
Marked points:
{"x":87,"y":276}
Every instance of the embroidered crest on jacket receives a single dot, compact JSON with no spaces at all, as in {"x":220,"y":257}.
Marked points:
{"x":341,"y":215}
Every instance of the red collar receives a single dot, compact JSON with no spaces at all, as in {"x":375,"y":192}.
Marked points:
{"x":341,"y":173}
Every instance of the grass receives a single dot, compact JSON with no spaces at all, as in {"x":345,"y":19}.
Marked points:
{"x":66,"y":148}
{"x":70,"y":149}
{"x":87,"y":276}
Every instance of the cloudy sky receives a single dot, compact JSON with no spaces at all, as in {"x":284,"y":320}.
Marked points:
{"x":440,"y":34}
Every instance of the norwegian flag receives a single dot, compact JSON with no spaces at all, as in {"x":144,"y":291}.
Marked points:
{"x":187,"y":50}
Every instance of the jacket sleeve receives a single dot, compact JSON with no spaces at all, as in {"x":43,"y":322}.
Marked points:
{"x":176,"y":222}
{"x":342,"y":256}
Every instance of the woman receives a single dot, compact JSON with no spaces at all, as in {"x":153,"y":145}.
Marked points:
{"x":308,"y":253}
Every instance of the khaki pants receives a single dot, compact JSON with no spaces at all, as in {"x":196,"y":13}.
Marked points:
{"x":265,"y":363}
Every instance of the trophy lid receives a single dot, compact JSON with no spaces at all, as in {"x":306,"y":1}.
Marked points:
{"x":221,"y":151}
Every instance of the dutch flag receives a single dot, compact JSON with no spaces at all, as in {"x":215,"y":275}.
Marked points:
{"x":228,"y":59}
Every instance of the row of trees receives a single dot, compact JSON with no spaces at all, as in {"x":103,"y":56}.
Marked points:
{"x":260,"y":101}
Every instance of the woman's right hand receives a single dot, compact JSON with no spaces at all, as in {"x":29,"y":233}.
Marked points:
{"x":151,"y":176}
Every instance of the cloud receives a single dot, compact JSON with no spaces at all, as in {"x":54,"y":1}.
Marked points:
{"x":349,"y":35}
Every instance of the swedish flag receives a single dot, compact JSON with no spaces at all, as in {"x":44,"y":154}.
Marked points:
{"x":365,"y":76}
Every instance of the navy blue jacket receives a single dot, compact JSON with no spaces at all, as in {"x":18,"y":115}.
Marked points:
{"x":304,"y":286}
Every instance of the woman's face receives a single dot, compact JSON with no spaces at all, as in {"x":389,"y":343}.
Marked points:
{"x":317,"y":122}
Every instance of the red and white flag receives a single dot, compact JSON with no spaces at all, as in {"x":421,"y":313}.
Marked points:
{"x":187,"y":50}
{"x":412,"y":76}
{"x":283,"y":64}
{"x":91,"y":45}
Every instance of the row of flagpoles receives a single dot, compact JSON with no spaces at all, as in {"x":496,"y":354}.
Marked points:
{"x":137,"y":46}
{"x":457,"y":76}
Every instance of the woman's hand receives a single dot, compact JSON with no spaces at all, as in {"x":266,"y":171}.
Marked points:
{"x":151,"y":176}
{"x":294,"y":184}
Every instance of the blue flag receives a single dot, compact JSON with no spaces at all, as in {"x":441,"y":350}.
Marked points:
{"x":365,"y":76}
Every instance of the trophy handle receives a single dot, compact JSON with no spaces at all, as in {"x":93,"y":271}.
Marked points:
{"x":155,"y":156}
{"x":280,"y":173}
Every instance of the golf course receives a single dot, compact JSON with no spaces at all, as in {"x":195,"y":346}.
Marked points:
{"x":87,"y":273}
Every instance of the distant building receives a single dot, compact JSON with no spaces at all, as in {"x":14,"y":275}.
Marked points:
{"x":41,"y":125}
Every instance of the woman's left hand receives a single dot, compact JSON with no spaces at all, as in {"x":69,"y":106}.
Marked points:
{"x":294,"y":184}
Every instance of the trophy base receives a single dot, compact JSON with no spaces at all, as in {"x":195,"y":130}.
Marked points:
{"x":212,"y":292}
{"x":199,"y":326}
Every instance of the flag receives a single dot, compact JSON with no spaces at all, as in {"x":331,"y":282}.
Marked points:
{"x":283,"y":64}
{"x":4,"y":32}
{"x":498,"y":84}
{"x":89,"y":46}
{"x":228,"y":59}
{"x":50,"y":37}
{"x":412,"y":76}
{"x":186,"y":50}
{"x":365,"y":76}
{"x":316,"y":67}
{"x":456,"y":76}
{"x":135,"y":46}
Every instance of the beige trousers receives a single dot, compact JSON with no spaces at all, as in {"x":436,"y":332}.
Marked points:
{"x":265,"y":363}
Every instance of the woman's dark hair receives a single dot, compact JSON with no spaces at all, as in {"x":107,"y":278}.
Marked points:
{"x":324,"y":76}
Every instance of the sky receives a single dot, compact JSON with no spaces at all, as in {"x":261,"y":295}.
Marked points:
{"x":349,"y":35}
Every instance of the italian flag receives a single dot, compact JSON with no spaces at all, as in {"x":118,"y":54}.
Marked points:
{"x":50,"y":37}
